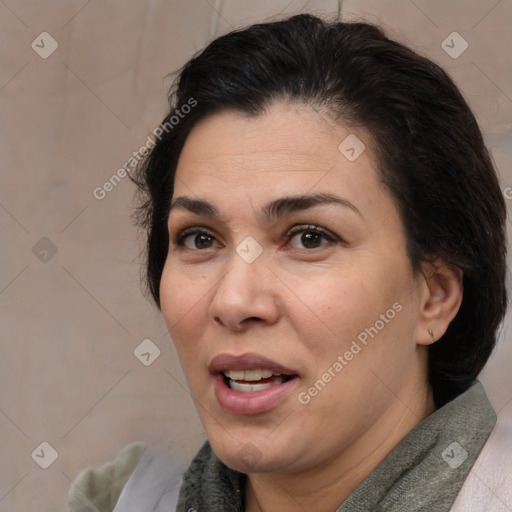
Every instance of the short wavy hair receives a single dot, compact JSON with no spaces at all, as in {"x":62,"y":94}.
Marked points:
{"x":431,"y":155}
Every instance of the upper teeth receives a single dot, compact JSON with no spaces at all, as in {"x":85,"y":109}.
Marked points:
{"x":250,"y":375}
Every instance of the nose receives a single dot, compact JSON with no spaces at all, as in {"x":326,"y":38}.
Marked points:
{"x":245,"y":295}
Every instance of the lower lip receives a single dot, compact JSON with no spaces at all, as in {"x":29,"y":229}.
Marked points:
{"x":238,"y":402}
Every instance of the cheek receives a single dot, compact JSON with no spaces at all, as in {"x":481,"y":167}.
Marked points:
{"x":364,"y":302}
{"x":357,"y":331}
{"x":184,"y":308}
{"x":334,"y":304}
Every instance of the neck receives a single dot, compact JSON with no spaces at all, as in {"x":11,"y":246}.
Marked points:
{"x":326,"y":487}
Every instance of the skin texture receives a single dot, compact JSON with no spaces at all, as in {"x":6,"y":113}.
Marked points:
{"x":300,"y":305}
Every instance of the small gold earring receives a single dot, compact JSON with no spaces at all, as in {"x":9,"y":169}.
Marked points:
{"x":431,"y":334}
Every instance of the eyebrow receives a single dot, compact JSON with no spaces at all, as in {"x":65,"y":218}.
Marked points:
{"x":272,"y":210}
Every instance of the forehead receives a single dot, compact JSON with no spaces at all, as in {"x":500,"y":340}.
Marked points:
{"x":289,"y":148}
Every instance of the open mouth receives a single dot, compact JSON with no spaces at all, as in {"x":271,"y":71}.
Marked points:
{"x":249,"y":381}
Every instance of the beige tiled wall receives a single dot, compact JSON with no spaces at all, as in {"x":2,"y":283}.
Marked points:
{"x":71,"y":306}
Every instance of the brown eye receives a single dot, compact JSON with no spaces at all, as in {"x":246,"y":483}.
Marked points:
{"x":309,"y":238}
{"x":197,"y":240}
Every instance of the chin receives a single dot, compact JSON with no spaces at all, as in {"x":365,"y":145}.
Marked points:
{"x":251,"y":457}
{"x":246,"y":462}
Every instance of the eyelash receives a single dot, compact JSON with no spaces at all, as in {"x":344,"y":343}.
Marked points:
{"x":183,"y":235}
{"x":311,"y":228}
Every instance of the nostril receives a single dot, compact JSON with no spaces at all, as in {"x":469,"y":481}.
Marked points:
{"x":237,"y":325}
{"x":218,"y":320}
{"x":246,"y":322}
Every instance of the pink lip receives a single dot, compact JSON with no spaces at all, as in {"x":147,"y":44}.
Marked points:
{"x":237,"y":402}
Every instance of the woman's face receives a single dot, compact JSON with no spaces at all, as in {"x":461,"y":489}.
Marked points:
{"x":288,"y":257}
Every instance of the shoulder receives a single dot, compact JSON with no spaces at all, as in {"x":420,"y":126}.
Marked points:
{"x":489,"y":483}
{"x":97,"y":489}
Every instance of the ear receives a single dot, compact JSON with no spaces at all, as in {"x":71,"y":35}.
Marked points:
{"x":441,"y":301}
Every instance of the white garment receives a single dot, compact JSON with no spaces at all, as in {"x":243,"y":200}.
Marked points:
{"x":154,"y":484}
{"x":488,"y":487}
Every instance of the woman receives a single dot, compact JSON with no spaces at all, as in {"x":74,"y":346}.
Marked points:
{"x":326,"y":242}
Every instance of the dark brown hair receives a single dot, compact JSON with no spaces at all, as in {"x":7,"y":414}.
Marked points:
{"x":430,"y":150}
